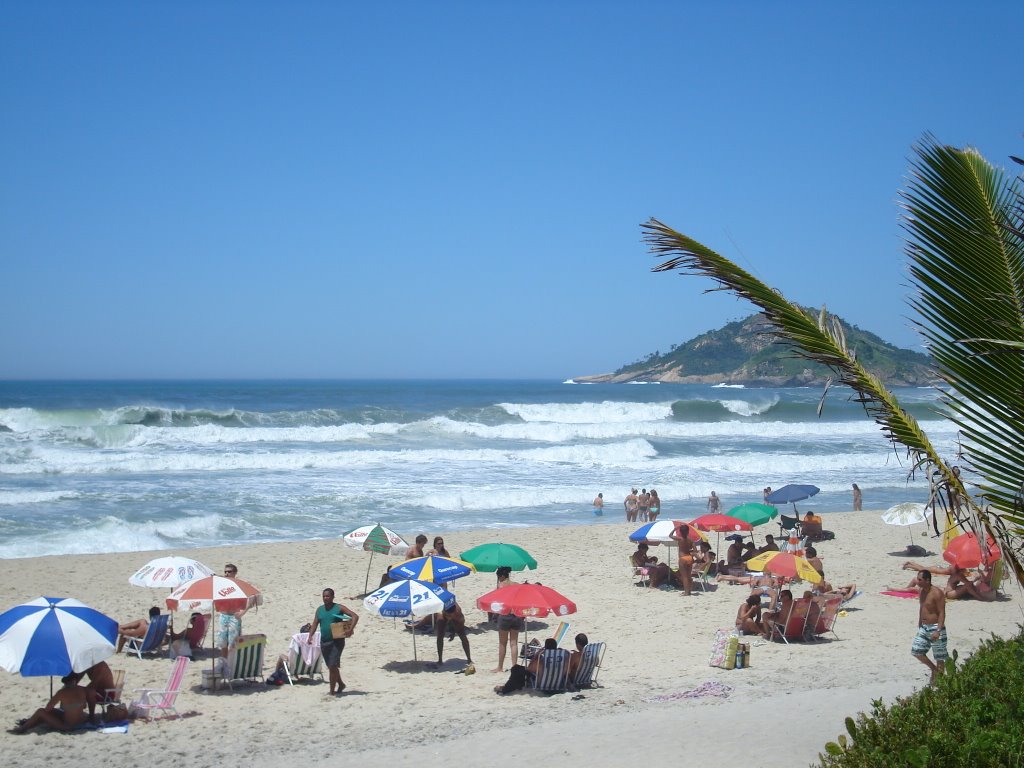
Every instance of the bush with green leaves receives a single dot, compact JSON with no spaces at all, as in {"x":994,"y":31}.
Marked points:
{"x":972,"y":717}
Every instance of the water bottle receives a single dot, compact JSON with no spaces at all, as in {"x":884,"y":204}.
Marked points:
{"x":739,"y":658}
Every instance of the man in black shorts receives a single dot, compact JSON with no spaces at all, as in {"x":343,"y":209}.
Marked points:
{"x":331,"y":648}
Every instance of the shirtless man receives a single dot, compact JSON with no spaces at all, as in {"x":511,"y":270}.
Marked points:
{"x":135,"y":629}
{"x":931,"y":620}
{"x":714,"y":504}
{"x":452,"y":622}
{"x":416,"y":550}
{"x":733,"y":557}
{"x":630,"y":505}
{"x":643,"y":505}
{"x":599,"y":504}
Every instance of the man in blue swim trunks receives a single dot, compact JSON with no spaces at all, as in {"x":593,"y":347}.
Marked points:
{"x":931,"y":620}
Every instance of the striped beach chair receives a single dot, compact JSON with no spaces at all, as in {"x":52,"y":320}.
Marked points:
{"x":590,"y":664}
{"x":161,"y":700}
{"x":295,"y":664}
{"x":552,"y":671}
{"x":245,"y":659}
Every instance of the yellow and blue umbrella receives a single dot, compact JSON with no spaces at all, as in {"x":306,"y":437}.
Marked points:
{"x":440,"y":570}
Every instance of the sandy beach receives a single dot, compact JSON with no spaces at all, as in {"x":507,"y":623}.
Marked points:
{"x":397,"y":711}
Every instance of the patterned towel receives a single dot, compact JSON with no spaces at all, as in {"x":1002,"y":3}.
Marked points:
{"x":899,"y":593}
{"x":710,"y":688}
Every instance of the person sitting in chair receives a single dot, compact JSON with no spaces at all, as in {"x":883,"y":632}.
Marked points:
{"x":135,"y":629}
{"x":190,"y":638}
{"x":576,"y":656}
{"x":535,"y":663}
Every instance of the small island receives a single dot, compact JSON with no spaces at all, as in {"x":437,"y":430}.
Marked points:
{"x":745,"y":352}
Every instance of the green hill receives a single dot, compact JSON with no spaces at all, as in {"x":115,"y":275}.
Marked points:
{"x":744,"y":352}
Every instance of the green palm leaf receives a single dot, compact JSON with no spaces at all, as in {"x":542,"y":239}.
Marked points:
{"x":967,"y":262}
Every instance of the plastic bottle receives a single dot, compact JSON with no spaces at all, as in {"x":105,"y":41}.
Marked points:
{"x":746,"y":655}
{"x":739,"y":657}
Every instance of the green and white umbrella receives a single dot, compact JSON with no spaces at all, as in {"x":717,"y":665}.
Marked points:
{"x":375,"y":538}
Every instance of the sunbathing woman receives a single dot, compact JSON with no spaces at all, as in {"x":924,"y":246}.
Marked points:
{"x":980,"y":588}
{"x":66,"y":710}
{"x":135,"y":629}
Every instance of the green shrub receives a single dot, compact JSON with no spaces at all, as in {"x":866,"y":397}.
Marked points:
{"x":973,"y":717}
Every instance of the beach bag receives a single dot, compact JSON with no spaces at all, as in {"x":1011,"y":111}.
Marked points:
{"x":516,"y":679}
{"x":719,"y":648}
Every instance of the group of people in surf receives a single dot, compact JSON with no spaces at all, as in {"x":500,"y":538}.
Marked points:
{"x":644,"y":506}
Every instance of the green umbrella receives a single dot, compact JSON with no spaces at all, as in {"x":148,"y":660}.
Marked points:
{"x":755,"y":514}
{"x":490,"y":557}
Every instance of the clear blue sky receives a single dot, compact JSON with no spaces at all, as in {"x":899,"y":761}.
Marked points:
{"x":412,"y":189}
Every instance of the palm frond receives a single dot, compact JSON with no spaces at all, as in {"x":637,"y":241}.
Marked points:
{"x":968,"y":264}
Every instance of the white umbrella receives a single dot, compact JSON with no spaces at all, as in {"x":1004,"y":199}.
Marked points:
{"x":906,"y":514}
{"x":375,"y":538}
{"x":170,"y":572}
{"x":408,"y":597}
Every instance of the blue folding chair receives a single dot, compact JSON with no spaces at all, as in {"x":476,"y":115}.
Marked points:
{"x":153,"y":642}
{"x":552,"y":671}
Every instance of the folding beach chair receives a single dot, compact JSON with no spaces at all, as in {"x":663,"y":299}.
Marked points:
{"x":788,"y":526}
{"x":792,"y":626}
{"x":825,"y":621}
{"x":552,"y":671}
{"x":590,"y":664}
{"x":303,"y":659}
{"x":156,"y":633}
{"x":113,"y":695}
{"x":163,"y":700}
{"x":701,"y":576}
{"x":245,"y":659}
{"x":641,"y":571}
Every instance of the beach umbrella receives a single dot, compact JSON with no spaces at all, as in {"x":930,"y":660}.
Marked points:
{"x":490,"y":557}
{"x":216,"y":594}
{"x":408,"y":597}
{"x":753,"y":513}
{"x":791,"y":494}
{"x":526,"y":600}
{"x":372,"y":539}
{"x":965,"y":551}
{"x":54,"y":636}
{"x":170,"y":572}
{"x":719,"y":524}
{"x":908,"y":513}
{"x":435,"y":568}
{"x":660,"y":532}
{"x":784,"y":564}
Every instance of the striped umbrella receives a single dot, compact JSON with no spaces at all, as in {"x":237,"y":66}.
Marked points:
{"x":440,"y":570}
{"x":54,"y":636}
{"x":784,"y":564}
{"x":375,"y":538}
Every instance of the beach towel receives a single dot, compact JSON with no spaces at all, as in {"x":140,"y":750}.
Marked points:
{"x":115,"y":726}
{"x":704,"y":690}
{"x":899,"y":593}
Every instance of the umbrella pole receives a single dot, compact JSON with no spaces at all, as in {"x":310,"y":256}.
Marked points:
{"x":366,"y":581}
{"x":414,"y":656}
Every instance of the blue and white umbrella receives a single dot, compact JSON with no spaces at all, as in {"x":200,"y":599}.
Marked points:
{"x":54,"y":636}
{"x":409,"y":597}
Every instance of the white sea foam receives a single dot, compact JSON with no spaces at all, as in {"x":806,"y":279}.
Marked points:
{"x":9,"y":497}
{"x":746,"y":408}
{"x":589,"y":413}
{"x":723,"y":385}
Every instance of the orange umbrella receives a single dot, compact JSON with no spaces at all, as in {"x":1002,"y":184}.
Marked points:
{"x":965,"y":551}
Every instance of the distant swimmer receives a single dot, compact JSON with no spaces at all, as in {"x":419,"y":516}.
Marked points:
{"x":599,"y":505}
{"x":714,"y":503}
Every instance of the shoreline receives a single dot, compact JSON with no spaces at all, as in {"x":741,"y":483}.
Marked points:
{"x":398,"y":710}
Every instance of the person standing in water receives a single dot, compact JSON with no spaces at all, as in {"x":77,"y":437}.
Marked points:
{"x":858,"y":499}
{"x":599,"y":505}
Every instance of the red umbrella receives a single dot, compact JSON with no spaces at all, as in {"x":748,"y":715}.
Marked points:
{"x":964,"y":551}
{"x":532,"y":600}
{"x":719,"y":523}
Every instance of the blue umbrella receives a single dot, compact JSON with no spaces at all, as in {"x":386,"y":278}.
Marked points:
{"x":434,"y":568}
{"x":54,"y":636}
{"x":791,"y":494}
{"x":409,"y":597}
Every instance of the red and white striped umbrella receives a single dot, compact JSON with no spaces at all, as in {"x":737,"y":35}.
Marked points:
{"x":215,"y":593}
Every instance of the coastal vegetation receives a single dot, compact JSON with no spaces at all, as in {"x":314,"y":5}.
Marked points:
{"x":744,"y":352}
{"x":965,"y":223}
{"x":972,"y":717}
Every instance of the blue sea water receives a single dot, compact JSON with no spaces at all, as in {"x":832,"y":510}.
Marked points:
{"x":103,"y":466}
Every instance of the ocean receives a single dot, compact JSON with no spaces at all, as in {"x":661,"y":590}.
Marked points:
{"x":104,"y":466}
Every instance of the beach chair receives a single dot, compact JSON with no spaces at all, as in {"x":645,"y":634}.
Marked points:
{"x":156,"y":633}
{"x":590,"y":664}
{"x":560,"y":631}
{"x":113,"y":695}
{"x":303,"y":659}
{"x":245,"y":659}
{"x":700,"y":575}
{"x":792,"y":627}
{"x":788,"y":526}
{"x":642,"y":572}
{"x":996,"y":582}
{"x":825,"y":620}
{"x":161,"y":700}
{"x":552,"y":671}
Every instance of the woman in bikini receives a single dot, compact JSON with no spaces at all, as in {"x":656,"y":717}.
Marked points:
{"x":66,"y":710}
{"x":685,"y":572}
{"x":655,"y":508}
